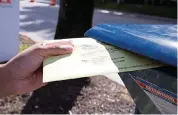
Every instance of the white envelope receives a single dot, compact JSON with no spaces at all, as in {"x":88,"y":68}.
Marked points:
{"x":92,"y":58}
{"x":89,"y":58}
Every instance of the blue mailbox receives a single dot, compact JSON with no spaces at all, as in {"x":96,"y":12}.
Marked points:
{"x":153,"y":90}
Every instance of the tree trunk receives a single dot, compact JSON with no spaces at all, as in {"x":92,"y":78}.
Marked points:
{"x":161,"y":2}
{"x":145,"y":1}
{"x":120,"y":1}
{"x":75,"y":18}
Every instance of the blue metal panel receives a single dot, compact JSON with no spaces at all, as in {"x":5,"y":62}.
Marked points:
{"x":158,"y":42}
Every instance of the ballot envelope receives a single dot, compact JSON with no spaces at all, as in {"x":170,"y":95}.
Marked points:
{"x":153,"y":90}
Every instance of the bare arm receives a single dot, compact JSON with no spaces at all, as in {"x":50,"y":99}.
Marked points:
{"x":23,"y":73}
{"x":6,"y":85}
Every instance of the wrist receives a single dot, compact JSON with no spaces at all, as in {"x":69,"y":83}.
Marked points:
{"x":6,"y":81}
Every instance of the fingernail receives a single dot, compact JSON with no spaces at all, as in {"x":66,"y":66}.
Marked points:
{"x":66,"y":47}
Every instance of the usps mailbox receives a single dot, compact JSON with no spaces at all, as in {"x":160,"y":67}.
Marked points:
{"x":153,"y":90}
{"x":9,"y":29}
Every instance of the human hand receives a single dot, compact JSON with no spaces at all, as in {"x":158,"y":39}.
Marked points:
{"x":24,"y":71}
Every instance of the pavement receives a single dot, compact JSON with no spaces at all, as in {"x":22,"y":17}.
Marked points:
{"x":38,"y":21}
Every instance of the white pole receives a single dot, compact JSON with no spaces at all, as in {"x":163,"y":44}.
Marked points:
{"x":9,"y":29}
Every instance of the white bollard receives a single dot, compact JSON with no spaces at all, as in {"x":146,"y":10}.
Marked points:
{"x":9,"y":29}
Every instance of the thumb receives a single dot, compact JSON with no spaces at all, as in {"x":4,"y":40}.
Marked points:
{"x":53,"y":49}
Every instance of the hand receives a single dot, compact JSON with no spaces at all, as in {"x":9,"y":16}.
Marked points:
{"x":24,"y":72}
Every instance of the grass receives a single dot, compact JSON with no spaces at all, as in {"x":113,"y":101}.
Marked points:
{"x":23,"y":47}
{"x":26,"y":42}
{"x":162,"y":11}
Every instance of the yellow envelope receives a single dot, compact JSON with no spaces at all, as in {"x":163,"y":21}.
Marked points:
{"x":91,"y":58}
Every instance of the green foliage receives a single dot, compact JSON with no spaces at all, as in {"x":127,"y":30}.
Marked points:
{"x":23,"y":47}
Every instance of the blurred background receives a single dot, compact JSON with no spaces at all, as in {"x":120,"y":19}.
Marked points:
{"x":163,"y":8}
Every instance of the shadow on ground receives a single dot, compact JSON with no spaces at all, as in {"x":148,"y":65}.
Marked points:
{"x":56,"y":97}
